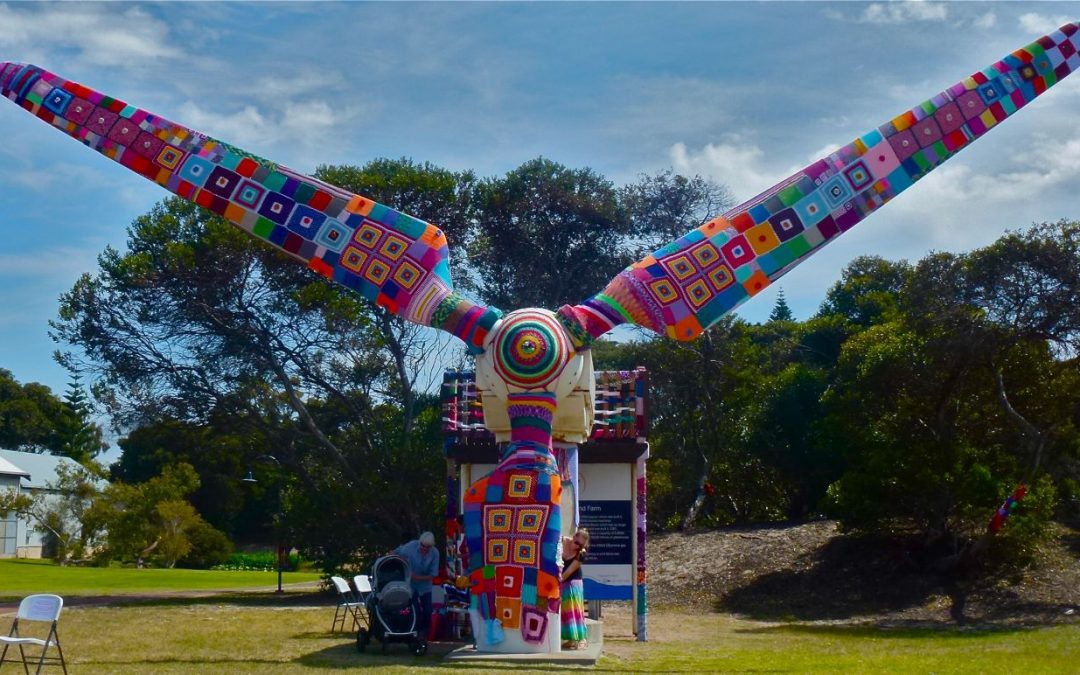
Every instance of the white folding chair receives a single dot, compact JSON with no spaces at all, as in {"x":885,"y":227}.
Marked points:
{"x":347,"y":604}
{"x":42,"y":608}
{"x":362,"y":584}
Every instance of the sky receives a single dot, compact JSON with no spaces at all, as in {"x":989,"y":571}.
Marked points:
{"x":743,"y":93}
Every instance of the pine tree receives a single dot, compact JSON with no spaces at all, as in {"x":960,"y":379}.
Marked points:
{"x":781,"y":311}
{"x":82,"y":438}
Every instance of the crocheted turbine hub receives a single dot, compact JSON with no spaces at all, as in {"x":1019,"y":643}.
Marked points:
{"x":531,"y":349}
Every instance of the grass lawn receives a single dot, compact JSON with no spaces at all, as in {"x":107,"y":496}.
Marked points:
{"x":223,"y":635}
{"x":23,"y":577}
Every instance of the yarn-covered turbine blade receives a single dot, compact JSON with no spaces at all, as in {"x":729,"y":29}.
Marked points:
{"x":688,"y":285}
{"x":393,"y":259}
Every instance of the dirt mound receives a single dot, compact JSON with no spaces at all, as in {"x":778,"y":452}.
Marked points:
{"x":813,"y":572}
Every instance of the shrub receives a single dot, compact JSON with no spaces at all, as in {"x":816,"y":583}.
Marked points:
{"x":258,"y":561}
{"x":209,"y":547}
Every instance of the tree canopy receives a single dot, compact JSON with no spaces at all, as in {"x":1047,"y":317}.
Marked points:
{"x":914,"y":400}
{"x":33,"y":419}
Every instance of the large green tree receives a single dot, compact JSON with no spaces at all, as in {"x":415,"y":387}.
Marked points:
{"x":547,"y":235}
{"x":964,"y":385}
{"x":146,"y":521}
{"x":201,"y":330}
{"x":33,"y":419}
{"x":663,"y":206}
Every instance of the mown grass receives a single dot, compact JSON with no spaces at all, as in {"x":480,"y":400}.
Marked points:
{"x":216,"y":636}
{"x":23,"y":577}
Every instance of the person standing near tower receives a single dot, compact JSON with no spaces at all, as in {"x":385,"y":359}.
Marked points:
{"x":423,"y":559}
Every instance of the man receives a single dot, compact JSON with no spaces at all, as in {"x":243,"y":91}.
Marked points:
{"x":424,"y":563}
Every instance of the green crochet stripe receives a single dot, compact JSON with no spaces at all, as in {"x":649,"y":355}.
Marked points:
{"x":244,"y":153}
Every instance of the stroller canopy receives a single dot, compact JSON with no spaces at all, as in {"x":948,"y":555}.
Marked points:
{"x":390,"y":580}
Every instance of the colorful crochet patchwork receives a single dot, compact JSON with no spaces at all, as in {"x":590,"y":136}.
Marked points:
{"x":531,"y":348}
{"x":512,"y":524}
{"x":688,"y":285}
{"x":392,"y":259}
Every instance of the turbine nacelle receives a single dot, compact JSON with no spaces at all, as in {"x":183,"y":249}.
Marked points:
{"x":529,"y":350}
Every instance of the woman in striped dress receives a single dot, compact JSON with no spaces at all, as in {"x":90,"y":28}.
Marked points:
{"x":574,"y":633}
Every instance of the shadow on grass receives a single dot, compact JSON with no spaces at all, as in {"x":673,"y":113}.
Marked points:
{"x":895,"y":630}
{"x":1071,"y":540}
{"x":846,"y":578}
{"x":345,"y":655}
{"x":255,"y":599}
{"x":855,"y":579}
{"x":399,"y":655}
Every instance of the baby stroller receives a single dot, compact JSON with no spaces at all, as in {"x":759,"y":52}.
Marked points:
{"x":392,"y":610}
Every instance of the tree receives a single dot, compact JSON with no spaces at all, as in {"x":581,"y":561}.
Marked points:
{"x":177,"y":518}
{"x":547,"y":235}
{"x":30,"y":416}
{"x":146,"y":519}
{"x":700,"y":472}
{"x":781,"y":311}
{"x":963,"y":391}
{"x":665,"y":206}
{"x":1029,"y":283}
{"x":218,"y":449}
{"x":201,"y":328}
{"x":781,"y":431}
{"x":61,"y":511}
{"x":867,"y":291}
{"x":81,"y":438}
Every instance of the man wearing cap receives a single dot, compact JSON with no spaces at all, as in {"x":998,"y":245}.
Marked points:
{"x":423,"y":560}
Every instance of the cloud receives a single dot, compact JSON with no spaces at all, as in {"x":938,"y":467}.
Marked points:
{"x":98,"y":34}
{"x":1032,"y":22}
{"x":307,"y":124}
{"x":903,"y":12}
{"x":1047,"y":164}
{"x":739,"y":165}
{"x":985,"y":21}
{"x":728,"y":163}
{"x":292,"y":86}
{"x":960,"y":204}
{"x":643,"y":107}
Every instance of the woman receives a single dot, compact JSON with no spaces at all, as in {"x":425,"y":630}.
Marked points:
{"x":574,"y":633}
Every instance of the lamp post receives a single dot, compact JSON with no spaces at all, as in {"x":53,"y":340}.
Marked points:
{"x":250,"y":478}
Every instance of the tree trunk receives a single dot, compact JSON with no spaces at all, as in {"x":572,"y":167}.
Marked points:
{"x":699,"y":499}
{"x":1036,"y":439}
{"x":397,"y":351}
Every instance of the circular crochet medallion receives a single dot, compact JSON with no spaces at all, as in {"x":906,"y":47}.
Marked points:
{"x":531,"y":349}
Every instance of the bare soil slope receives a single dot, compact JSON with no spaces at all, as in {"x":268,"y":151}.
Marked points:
{"x":812,"y":572}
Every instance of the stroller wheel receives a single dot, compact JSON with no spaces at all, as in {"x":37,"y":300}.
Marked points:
{"x":419,"y":647}
{"x":362,"y":639}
